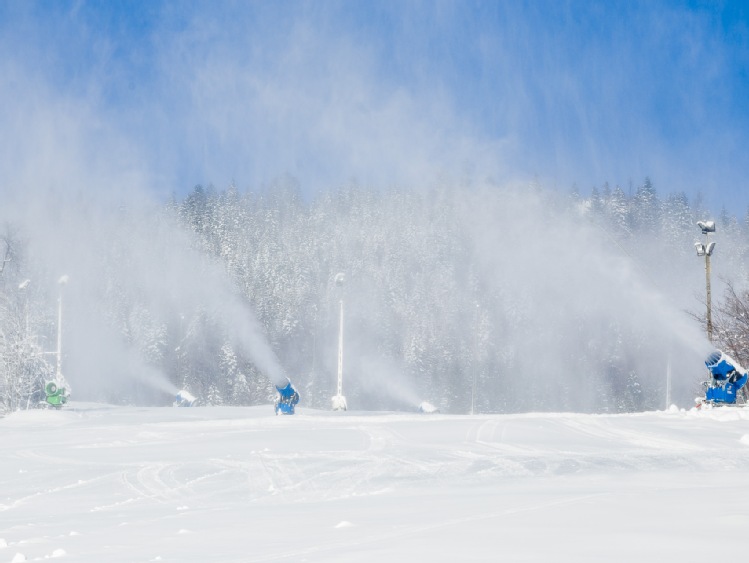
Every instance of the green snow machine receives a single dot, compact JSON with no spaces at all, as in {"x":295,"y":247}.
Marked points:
{"x":56,"y":396}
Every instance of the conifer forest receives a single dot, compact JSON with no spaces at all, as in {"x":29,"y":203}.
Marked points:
{"x":516,"y":298}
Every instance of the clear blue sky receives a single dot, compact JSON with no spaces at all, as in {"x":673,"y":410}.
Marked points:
{"x":386,"y":92}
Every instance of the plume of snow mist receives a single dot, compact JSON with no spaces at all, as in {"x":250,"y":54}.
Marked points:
{"x":102,"y":366}
{"x":378,"y":379}
{"x":132,"y":271}
{"x":565,"y":287}
{"x":170,"y":278}
{"x":247,"y":335}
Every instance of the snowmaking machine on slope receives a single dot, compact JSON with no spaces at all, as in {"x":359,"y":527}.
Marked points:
{"x":286,"y":399}
{"x":727,"y":378}
{"x":56,"y":394}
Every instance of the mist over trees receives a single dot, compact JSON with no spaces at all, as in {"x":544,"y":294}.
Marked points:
{"x":542,"y":300}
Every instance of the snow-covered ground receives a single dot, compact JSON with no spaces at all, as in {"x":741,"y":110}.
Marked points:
{"x":98,"y":483}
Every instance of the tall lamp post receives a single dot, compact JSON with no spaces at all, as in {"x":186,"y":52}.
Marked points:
{"x":475,"y":359}
{"x":23,"y":286}
{"x":58,"y":374}
{"x":706,"y":249}
{"x":339,"y":401}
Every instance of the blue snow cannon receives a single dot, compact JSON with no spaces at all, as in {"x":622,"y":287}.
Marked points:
{"x":287,"y":398}
{"x":727,"y":377}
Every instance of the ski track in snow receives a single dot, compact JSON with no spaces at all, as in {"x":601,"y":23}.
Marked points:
{"x":100,"y":483}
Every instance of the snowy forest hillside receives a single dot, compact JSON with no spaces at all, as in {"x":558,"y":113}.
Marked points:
{"x":548,"y":301}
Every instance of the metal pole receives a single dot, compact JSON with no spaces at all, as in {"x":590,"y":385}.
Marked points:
{"x":709,"y":299}
{"x":59,"y":335}
{"x":339,"y":401}
{"x":340,"y":353}
{"x":706,"y":250}
{"x":61,"y":282}
{"x":668,"y":383}
{"x":475,"y":359}
{"x":473,"y":392}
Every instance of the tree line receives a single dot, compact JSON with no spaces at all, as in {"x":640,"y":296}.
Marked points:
{"x":504,"y":299}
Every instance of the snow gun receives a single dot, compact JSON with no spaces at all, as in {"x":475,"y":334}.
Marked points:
{"x":184,"y":399}
{"x":55,"y":394}
{"x":727,"y":377}
{"x":287,"y":398}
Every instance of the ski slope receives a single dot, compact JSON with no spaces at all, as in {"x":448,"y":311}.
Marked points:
{"x":96,"y":483}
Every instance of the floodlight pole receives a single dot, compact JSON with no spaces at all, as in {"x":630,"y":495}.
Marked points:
{"x":668,"y":382}
{"x":709,"y":299}
{"x":475,"y":360}
{"x":58,"y":374}
{"x":706,"y":250}
{"x":24,"y":287}
{"x":339,"y":391}
{"x":339,"y":401}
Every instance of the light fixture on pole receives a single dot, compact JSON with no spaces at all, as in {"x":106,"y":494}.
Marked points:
{"x":706,"y":249}
{"x":339,"y":401}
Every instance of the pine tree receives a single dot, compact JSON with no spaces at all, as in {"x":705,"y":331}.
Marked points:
{"x":646,"y":209}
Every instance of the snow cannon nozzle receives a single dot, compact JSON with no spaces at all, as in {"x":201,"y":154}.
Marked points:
{"x":287,"y":398}
{"x":721,"y":364}
{"x":184,"y":399}
{"x":713,"y":358}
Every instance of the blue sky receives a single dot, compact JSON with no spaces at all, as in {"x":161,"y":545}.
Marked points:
{"x":109,"y":95}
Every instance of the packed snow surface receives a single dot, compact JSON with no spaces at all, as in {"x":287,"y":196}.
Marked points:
{"x":97,"y":483}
